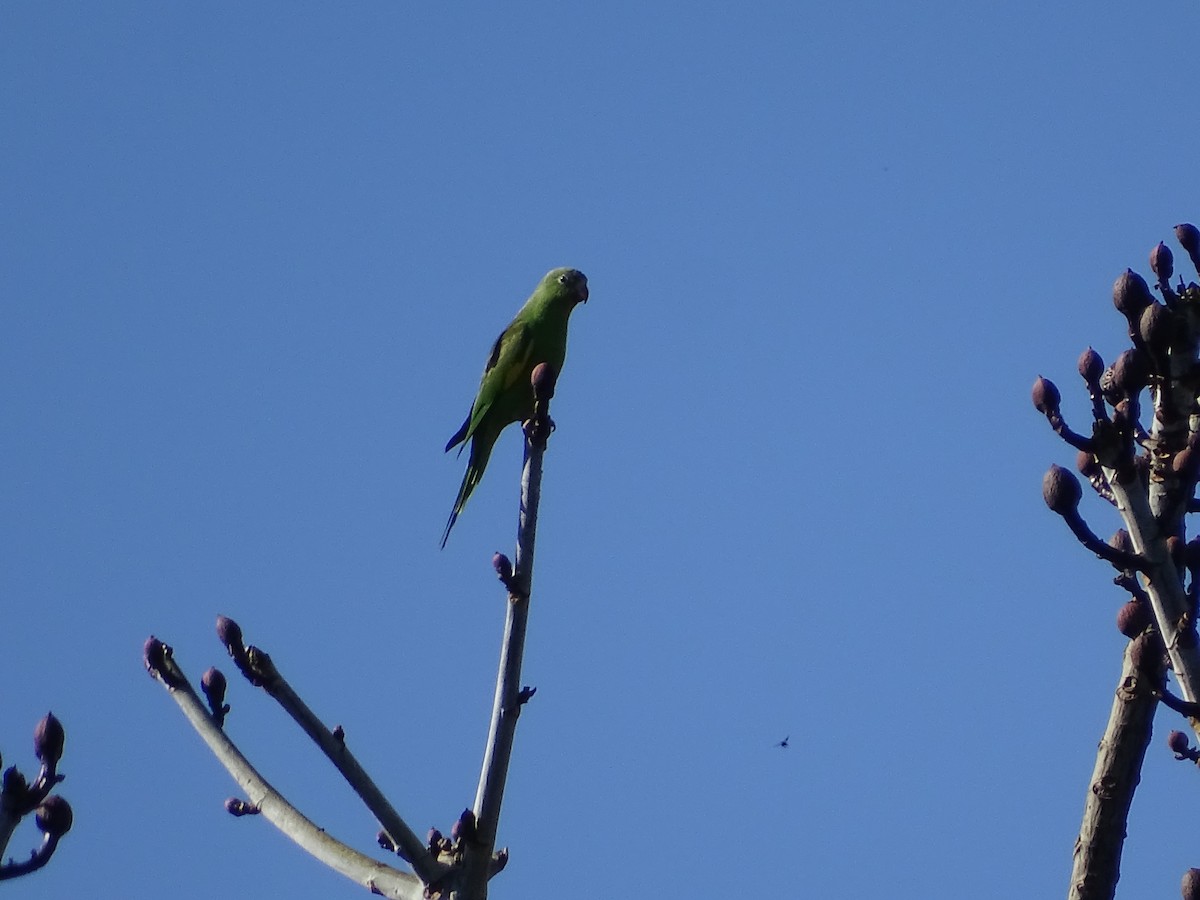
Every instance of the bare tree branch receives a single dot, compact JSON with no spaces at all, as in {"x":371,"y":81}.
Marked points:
{"x":1161,"y":581}
{"x":18,"y":799}
{"x":1153,"y":491}
{"x":1097,"y":861}
{"x":478,"y":861}
{"x":260,"y":670}
{"x":375,"y":876}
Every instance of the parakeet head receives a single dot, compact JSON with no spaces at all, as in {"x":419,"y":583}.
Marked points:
{"x":567,"y":284}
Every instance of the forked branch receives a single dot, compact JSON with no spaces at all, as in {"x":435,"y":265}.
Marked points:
{"x":263,"y":798}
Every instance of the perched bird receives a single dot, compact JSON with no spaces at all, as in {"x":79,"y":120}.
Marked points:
{"x":538,"y":334}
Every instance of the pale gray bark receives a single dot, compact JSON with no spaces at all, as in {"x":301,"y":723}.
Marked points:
{"x":1097,"y":861}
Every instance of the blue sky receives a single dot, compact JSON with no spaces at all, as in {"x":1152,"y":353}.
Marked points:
{"x":252,"y":258}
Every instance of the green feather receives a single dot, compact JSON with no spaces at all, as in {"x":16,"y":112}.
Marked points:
{"x":537,"y":334}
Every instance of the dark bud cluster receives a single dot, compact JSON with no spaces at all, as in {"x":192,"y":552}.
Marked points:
{"x":1181,"y":746}
{"x":1126,"y":377}
{"x":15,"y":785}
{"x":54,"y":816}
{"x":1156,"y":327}
{"x":1131,"y":295}
{"x":1120,"y":450}
{"x":1189,"y":239}
{"x":1178,"y":742}
{"x":1186,"y":463}
{"x":1091,"y":370}
{"x":1190,"y":886}
{"x":157,"y":656}
{"x":229,"y":633}
{"x":464,"y":828}
{"x":1046,"y":397}
{"x":1062,"y":493}
{"x":1047,"y":400}
{"x":154,"y":652}
{"x":1134,"y":617}
{"x":1087,"y":466}
{"x":48,"y":740}
{"x":20,"y":798}
{"x":214,"y":685}
{"x":543,"y":379}
{"x":1162,"y":264}
{"x":238,"y":807}
{"x":438,"y":843}
{"x":503,"y":566}
{"x":1061,"y":490}
{"x":1091,"y":366}
{"x":1121,"y":541}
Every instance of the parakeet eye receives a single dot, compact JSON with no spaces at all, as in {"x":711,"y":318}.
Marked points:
{"x":562,"y":279}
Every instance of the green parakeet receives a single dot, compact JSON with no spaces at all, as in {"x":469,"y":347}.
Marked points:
{"x":538,"y":334}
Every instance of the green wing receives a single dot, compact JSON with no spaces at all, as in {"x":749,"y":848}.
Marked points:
{"x":509,"y":358}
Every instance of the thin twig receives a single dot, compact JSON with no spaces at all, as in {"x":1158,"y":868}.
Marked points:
{"x":1181,"y":706}
{"x":38,"y":858}
{"x":10,"y":818}
{"x":1121,"y":559}
{"x":18,"y":799}
{"x":1074,"y":438}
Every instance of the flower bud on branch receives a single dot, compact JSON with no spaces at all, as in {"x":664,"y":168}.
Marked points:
{"x":230,"y":634}
{"x":159,"y":663}
{"x":1190,"y":885}
{"x":1091,"y":368}
{"x":1046,"y":400}
{"x":1162,"y":264}
{"x":213,"y":683}
{"x":54,"y":816}
{"x":1131,"y":295}
{"x":1189,"y":239}
{"x":1156,"y":328}
{"x":1134,"y":617}
{"x":48,"y":740}
{"x":1062,"y":493}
